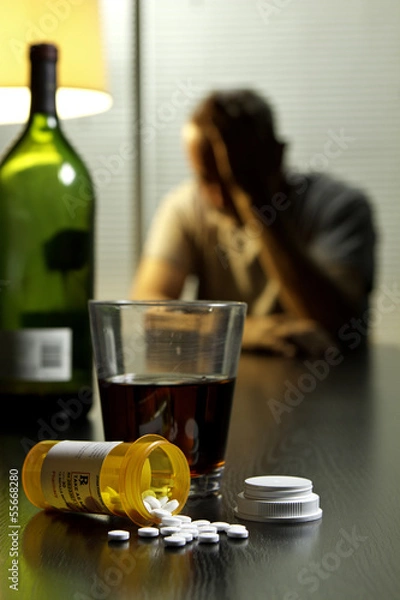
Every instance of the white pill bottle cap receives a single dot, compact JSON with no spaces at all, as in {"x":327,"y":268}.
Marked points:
{"x":278,"y":498}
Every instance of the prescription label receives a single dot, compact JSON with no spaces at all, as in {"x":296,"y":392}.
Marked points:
{"x":70,"y":475}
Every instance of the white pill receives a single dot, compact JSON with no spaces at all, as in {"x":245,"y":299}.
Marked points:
{"x":171,"y":505}
{"x":163,"y":501}
{"x":237,"y":531}
{"x":174,"y":540}
{"x":169,"y":530}
{"x":160,"y":513}
{"x":152,"y":501}
{"x":147,"y":506}
{"x":207,"y":529}
{"x":208,"y":538}
{"x":187,"y":528}
{"x":183,"y":518}
{"x":170,"y":522}
{"x":188,"y":535}
{"x":237,"y":527}
{"x":118,"y":535}
{"x":220,"y":525}
{"x":148,"y":532}
{"x":200,"y":522}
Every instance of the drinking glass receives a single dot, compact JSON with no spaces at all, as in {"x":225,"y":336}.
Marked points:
{"x":169,"y":367}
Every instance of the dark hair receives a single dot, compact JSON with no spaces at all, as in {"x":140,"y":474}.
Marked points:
{"x":235,"y":111}
{"x":245,"y":122}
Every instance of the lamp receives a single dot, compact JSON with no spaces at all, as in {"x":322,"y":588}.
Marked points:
{"x":75,"y":27}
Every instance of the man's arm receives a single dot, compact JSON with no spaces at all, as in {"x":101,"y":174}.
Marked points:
{"x":306,"y":290}
{"x":169,"y":252}
{"x":157,"y":279}
{"x":282,"y":334}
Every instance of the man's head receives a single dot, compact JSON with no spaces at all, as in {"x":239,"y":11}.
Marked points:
{"x":243,"y":121}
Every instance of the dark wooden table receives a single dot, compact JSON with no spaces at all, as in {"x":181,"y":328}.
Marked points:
{"x":338,"y":425}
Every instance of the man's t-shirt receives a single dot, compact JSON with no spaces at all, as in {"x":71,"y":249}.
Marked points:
{"x":332,"y":219}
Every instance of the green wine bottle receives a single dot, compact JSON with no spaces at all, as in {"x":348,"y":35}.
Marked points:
{"x":46,"y":261}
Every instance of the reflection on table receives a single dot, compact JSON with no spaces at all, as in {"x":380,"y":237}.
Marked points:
{"x":337,"y":427}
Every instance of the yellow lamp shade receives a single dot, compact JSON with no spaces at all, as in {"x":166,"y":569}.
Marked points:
{"x":74,"y":26}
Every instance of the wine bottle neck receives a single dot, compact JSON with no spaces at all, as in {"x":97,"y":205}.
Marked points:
{"x":43,"y":88}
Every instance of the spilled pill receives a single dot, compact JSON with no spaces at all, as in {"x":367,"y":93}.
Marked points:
{"x":207,"y":529}
{"x":170,"y":521}
{"x":183,"y":518}
{"x":200,"y":522}
{"x":220,"y":525}
{"x":160,"y":513}
{"x":177,"y":530}
{"x":237,"y":531}
{"x":169,"y":530}
{"x":118,"y":535}
{"x":208,"y":538}
{"x":148,"y":532}
{"x":186,"y":528}
{"x":174,"y":540}
{"x":171,"y":505}
{"x":147,"y":506}
{"x":188,"y":535}
{"x":152,"y":501}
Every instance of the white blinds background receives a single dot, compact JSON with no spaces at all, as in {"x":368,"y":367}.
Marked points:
{"x":106,"y":143}
{"x":331,"y":69}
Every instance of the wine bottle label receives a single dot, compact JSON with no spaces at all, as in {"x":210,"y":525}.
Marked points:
{"x":70,"y":475}
{"x":36,"y":354}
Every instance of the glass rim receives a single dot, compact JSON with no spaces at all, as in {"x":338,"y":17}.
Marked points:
{"x":172,"y":303}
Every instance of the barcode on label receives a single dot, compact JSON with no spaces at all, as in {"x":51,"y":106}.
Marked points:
{"x":36,"y":354}
{"x":51,"y":356}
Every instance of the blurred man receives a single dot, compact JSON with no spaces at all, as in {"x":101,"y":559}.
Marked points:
{"x":299,"y":249}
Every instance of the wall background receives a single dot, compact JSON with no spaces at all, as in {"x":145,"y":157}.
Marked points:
{"x":330,"y":69}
